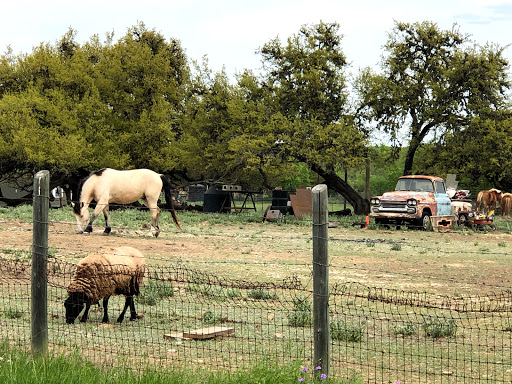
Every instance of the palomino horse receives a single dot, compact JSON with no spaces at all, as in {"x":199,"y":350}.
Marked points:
{"x":124,"y":187}
{"x":486,"y":200}
{"x":506,"y":204}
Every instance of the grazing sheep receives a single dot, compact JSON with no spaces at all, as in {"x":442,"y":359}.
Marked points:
{"x":119,"y":271}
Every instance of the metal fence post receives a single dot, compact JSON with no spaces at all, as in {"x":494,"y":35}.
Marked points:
{"x":41,"y":201}
{"x":320,"y":278}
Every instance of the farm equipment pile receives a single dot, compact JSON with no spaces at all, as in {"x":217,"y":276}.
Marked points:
{"x":480,"y":221}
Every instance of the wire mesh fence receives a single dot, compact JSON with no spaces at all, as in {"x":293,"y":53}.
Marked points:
{"x":189,"y":317}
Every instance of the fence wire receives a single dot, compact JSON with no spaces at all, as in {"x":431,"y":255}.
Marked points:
{"x":188,"y":318}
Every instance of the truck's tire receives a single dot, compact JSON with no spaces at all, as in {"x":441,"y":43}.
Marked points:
{"x":463,"y":220}
{"x":425,"y":223}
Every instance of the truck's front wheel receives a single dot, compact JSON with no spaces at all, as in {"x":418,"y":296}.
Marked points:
{"x":425,"y":223}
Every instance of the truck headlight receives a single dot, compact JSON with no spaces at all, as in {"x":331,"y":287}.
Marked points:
{"x":374,"y":201}
{"x":412,"y":202}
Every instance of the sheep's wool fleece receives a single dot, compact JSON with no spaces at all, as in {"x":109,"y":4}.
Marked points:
{"x":99,"y":275}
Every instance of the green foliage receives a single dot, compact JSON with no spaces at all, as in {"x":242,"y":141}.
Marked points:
{"x":134,"y":102}
{"x":211,"y":318}
{"x":154,"y":290}
{"x":407,"y":329}
{"x":396,"y":247}
{"x":17,"y":366}
{"x":12,"y":313}
{"x":437,"y":327}
{"x":72,"y":109}
{"x":17,"y":254}
{"x":301,"y":316}
{"x":432,"y":84}
{"x":261,"y":294}
{"x":482,"y":152}
{"x":340,"y":330}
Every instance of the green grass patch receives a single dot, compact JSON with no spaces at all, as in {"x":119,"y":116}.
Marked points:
{"x":342,"y":331}
{"x":436,"y":327}
{"x":155,"y":290}
{"x":407,"y":329}
{"x":261,"y":294}
{"x":301,"y":316}
{"x":17,"y":366}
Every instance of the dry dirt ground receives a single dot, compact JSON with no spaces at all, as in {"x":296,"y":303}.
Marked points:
{"x":452,"y":263}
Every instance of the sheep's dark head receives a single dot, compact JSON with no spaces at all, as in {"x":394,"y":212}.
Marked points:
{"x":74,"y":305}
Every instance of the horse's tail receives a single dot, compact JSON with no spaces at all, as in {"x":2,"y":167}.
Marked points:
{"x":168,"y":199}
{"x":479,"y":201}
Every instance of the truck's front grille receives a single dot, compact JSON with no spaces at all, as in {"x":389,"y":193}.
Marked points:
{"x":393,"y":205}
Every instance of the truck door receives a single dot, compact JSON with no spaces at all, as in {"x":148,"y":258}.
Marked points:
{"x":442,"y":199}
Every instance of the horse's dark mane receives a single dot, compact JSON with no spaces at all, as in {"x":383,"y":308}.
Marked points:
{"x":97,"y":173}
{"x":77,"y":207}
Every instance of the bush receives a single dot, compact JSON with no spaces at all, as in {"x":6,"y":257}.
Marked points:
{"x":261,"y":294}
{"x":437,"y":327}
{"x":154,"y":291}
{"x":301,"y":316}
{"x":346,"y":332}
{"x":407,"y":329}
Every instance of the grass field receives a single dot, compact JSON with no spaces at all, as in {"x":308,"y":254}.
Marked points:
{"x":460,"y":264}
{"x":18,"y":367}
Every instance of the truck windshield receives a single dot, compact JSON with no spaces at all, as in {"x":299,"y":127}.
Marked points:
{"x":417,"y":185}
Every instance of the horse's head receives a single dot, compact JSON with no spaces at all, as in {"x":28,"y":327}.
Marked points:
{"x":82,"y":216}
{"x":74,"y":305}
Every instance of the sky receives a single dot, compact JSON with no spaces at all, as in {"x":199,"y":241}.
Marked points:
{"x":229,"y":32}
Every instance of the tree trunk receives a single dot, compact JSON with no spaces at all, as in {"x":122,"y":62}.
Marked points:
{"x":409,"y":159}
{"x":333,"y":181}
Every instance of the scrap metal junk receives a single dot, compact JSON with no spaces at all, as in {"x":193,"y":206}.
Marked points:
{"x":284,"y":202}
{"x":481,"y":221}
{"x":216,"y":200}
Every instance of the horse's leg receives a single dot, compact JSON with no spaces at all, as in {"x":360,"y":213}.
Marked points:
{"x":155,"y":214}
{"x":108,"y":228}
{"x":105,"y":310}
{"x":154,"y":211}
{"x":100,"y":206}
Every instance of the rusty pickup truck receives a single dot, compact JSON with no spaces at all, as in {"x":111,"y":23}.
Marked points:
{"x":415,"y":200}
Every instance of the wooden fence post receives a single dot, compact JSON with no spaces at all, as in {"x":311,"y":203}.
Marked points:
{"x":41,"y":201}
{"x":320,"y":278}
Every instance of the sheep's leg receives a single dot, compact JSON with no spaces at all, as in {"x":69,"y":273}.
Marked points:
{"x":105,"y":310}
{"x":86,"y":313}
{"x":108,"y":228}
{"x":126,"y":304}
{"x":133,"y":313}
